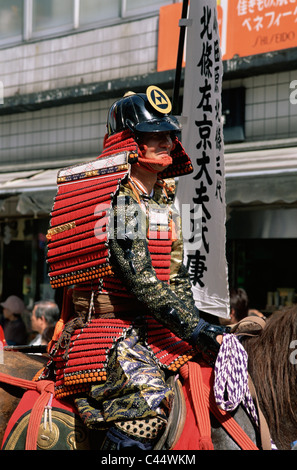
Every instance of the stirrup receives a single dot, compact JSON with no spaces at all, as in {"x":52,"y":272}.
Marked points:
{"x":176,"y":420}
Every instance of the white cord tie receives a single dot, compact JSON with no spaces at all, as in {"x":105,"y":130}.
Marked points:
{"x":231,"y":377}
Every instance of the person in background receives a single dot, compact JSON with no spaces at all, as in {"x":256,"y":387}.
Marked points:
{"x":239,"y":307}
{"x":45,"y":315}
{"x":256,"y":313}
{"x":238,"y":304}
{"x":14,"y":328}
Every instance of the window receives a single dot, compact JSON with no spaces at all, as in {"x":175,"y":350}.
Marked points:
{"x":22,"y":20}
{"x":140,"y":6}
{"x":91,"y":11}
{"x":52,"y":14}
{"x":233,"y":111}
{"x":11,"y":19}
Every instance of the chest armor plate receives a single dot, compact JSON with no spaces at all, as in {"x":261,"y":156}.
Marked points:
{"x":79,"y":228}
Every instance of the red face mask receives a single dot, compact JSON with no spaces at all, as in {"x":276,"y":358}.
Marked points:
{"x":155,"y":149}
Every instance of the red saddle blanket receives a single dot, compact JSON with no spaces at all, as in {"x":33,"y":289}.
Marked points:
{"x":64,"y":431}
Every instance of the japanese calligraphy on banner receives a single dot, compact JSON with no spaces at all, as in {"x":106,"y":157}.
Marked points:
{"x":246,"y":27}
{"x":203,"y":192}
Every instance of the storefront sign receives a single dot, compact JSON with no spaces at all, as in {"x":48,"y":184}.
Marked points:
{"x":204,"y":190}
{"x":168,"y":36}
{"x":256,"y":27}
{"x":245,"y":27}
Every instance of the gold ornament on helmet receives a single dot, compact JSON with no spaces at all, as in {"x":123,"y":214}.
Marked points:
{"x":158,"y":99}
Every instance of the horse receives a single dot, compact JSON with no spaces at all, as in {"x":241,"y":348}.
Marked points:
{"x":273,"y":367}
{"x":19,"y":365}
{"x":24,"y":366}
{"x":270,"y":364}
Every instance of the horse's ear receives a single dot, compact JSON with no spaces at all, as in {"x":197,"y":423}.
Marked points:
{"x":249,"y":326}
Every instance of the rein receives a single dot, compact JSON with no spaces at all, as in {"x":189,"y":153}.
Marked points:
{"x":233,"y":385}
{"x":204,"y":402}
{"x":231,"y":378}
{"x":46,"y":389}
{"x":228,"y":385}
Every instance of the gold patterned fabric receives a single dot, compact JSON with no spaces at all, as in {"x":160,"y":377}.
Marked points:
{"x":135,"y":387}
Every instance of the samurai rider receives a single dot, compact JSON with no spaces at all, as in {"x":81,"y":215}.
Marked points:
{"x":137,"y":322}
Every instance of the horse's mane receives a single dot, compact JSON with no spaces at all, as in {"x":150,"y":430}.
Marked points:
{"x":273,"y":369}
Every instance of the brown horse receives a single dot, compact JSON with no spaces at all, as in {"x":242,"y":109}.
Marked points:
{"x":271,"y":365}
{"x":21,"y":366}
{"x":273,"y":368}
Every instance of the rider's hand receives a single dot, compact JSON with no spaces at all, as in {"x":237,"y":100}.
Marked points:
{"x":208,"y":339}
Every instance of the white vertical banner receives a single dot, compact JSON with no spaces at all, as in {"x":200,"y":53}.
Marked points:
{"x":200,"y":196}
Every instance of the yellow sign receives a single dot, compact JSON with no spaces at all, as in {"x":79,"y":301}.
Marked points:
{"x":158,"y":99}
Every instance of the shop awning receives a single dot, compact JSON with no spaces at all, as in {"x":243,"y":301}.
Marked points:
{"x":24,"y":181}
{"x":265,"y":188}
{"x":266,"y":176}
{"x":27,"y":192}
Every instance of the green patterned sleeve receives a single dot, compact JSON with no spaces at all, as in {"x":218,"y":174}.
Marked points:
{"x":131,"y":261}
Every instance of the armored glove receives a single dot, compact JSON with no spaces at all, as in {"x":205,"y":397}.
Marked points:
{"x":204,"y":335}
{"x":204,"y":339}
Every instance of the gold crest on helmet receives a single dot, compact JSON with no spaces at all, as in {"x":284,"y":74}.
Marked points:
{"x":158,"y":99}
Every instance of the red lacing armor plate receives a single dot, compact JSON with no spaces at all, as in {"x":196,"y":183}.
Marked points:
{"x":90,"y":348}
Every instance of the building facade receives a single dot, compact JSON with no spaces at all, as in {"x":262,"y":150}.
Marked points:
{"x":62,"y":66}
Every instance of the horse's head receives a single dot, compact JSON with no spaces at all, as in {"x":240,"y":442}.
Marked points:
{"x":273,"y":368}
